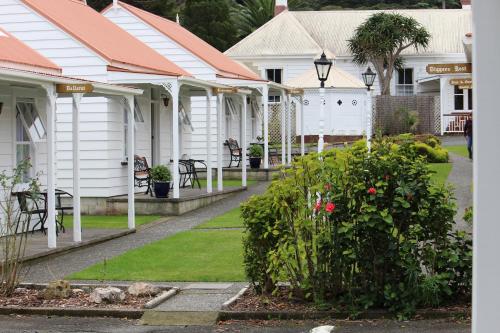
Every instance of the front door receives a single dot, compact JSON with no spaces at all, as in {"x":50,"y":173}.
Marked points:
{"x":154,"y":134}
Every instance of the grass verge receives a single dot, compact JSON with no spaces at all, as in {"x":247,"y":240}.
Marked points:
{"x":442,"y":171}
{"x":231,"y":219}
{"x":459,"y":150}
{"x":205,"y":256}
{"x":108,"y":222}
{"x":227,"y":183}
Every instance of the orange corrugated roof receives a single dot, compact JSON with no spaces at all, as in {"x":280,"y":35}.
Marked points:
{"x":12,"y":50}
{"x":102,"y":36}
{"x":206,"y":52}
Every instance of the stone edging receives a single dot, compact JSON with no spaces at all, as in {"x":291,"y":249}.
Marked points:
{"x":225,"y":315}
{"x":233,"y":299}
{"x":161,"y":298}
{"x":73,"y":312}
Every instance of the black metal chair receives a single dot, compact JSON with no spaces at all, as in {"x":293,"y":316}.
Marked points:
{"x":235,"y":151}
{"x":31,"y":204}
{"x":62,"y":206}
{"x":142,"y":174}
{"x":273,"y":156}
{"x":188,"y":174}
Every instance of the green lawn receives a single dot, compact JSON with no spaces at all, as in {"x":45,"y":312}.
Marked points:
{"x":459,"y":150}
{"x":227,"y":183}
{"x":206,"y":256}
{"x":231,"y":219}
{"x":442,"y":171}
{"x":108,"y":222}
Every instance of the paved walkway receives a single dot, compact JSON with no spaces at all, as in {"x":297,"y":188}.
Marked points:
{"x":59,"y":267}
{"x":461,"y":179}
{"x":39,"y":324}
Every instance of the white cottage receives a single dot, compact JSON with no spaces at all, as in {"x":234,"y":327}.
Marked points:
{"x":284,"y":49}
{"x":29,"y":86}
{"x":204,"y":62}
{"x":87,"y":45}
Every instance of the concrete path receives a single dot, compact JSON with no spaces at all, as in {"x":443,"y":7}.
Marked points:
{"x":461,"y":179}
{"x":35,"y":324}
{"x":59,"y":267}
{"x":197,"y":304}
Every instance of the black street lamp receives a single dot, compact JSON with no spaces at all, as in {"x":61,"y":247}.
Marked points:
{"x":323,"y":66}
{"x":369,"y":77}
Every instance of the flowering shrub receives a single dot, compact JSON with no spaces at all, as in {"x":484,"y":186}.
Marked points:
{"x":359,"y":230}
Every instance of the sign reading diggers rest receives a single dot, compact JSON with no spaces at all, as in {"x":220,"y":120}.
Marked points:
{"x":449,"y":68}
{"x":74,"y":88}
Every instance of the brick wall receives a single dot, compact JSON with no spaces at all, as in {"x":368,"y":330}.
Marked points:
{"x":387,"y":108}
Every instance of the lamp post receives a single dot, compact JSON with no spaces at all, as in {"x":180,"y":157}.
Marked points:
{"x":369,"y":78}
{"x":323,"y":66}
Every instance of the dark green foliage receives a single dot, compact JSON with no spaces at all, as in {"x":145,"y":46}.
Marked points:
{"x":161,"y":173}
{"x":165,"y":8}
{"x":256,"y":151}
{"x":359,"y":231}
{"x":211,"y":21}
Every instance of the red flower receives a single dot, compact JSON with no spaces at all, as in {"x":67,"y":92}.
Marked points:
{"x":372,"y":191}
{"x":328,"y":187}
{"x":318,"y":206}
{"x":330,"y":207}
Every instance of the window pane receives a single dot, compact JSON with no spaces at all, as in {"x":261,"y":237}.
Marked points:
{"x":21,"y":135}
{"x":401,"y":76}
{"x":33,"y":121}
{"x":270,"y":74}
{"x":459,"y":102}
{"x":277,"y":76}
{"x":471,"y":105}
{"x":409,"y":76}
{"x":23,"y":154}
{"x":137,"y":112}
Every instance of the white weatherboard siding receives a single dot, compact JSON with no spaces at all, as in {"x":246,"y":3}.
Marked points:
{"x":43,"y":36}
{"x":349,"y":118}
{"x":160,"y":43}
{"x":6,"y":135}
{"x":199,"y":135}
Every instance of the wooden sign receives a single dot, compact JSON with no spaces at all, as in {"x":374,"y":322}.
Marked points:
{"x":74,"y":88}
{"x":466,"y":86}
{"x":295,"y":91}
{"x":229,"y":90}
{"x":449,"y":68}
{"x":461,"y":82}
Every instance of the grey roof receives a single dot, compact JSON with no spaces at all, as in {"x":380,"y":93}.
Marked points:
{"x":301,"y":33}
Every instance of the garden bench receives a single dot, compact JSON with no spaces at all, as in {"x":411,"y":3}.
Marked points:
{"x":142,"y":173}
{"x":234,"y":150}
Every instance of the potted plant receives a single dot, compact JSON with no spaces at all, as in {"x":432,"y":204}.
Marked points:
{"x":255,"y":154}
{"x":161,"y":177}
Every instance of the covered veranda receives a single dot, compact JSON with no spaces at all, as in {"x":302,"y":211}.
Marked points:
{"x":46,"y":89}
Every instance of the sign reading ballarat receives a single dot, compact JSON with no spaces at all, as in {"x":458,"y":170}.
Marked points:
{"x":449,"y":68}
{"x":74,"y":88}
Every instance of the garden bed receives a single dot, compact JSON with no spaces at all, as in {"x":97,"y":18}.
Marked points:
{"x":251,"y":306}
{"x":24,"y":297}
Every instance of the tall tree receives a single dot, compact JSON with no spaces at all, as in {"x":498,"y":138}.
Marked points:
{"x":382,"y":38}
{"x":249,"y":15}
{"x":211,"y":21}
{"x":165,"y":8}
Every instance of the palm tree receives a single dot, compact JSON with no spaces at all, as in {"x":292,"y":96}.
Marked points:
{"x":252,"y":14}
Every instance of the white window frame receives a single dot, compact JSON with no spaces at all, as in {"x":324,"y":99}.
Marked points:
{"x":31,"y":143}
{"x":281,"y":69}
{"x":405,"y":89}
{"x":464,"y":101}
{"x":274,"y":99}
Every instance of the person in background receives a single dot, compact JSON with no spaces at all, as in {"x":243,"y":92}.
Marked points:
{"x":468,"y":135}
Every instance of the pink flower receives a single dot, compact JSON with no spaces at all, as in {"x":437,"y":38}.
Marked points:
{"x":330,"y":207}
{"x":372,"y":191}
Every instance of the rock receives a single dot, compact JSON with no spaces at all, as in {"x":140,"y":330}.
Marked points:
{"x":78,"y":291}
{"x":107,"y":295}
{"x":141,"y":289}
{"x":21,"y":290}
{"x":322,"y":329}
{"x":57,"y":290}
